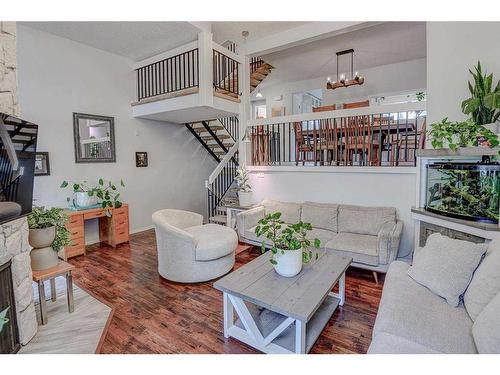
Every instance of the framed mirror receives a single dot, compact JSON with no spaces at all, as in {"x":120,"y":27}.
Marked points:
{"x":94,"y":138}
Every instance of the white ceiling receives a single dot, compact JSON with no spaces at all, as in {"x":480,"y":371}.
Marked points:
{"x":382,"y":44}
{"x":232,"y":30}
{"x":134,"y":40}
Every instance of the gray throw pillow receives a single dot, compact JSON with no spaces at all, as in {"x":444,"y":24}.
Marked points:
{"x":445,"y":266}
{"x":486,"y":281}
{"x":486,"y":328}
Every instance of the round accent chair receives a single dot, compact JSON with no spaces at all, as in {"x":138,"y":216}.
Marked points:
{"x":190,"y":252}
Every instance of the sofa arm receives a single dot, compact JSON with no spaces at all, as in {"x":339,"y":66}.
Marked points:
{"x":389,"y":237}
{"x":248,"y":219}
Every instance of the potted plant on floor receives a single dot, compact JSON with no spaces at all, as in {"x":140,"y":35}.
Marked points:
{"x":244,"y":189}
{"x":47,"y":236}
{"x":484,"y":104}
{"x":105,"y":194}
{"x":290,"y":246}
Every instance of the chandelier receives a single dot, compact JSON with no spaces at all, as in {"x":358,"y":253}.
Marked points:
{"x":341,"y":81}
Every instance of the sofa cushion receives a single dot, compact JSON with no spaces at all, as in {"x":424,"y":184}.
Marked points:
{"x":213,"y":241}
{"x":385,"y":343}
{"x":320,"y":215}
{"x":322,"y":234}
{"x":446,"y":266}
{"x":410,"y":310}
{"x":486,"y":328}
{"x":485,"y":283}
{"x":290,"y":212}
{"x":361,"y":247}
{"x":364,"y":220}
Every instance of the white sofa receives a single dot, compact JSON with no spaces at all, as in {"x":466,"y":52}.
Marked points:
{"x":413,"y":320}
{"x":370,"y":235}
{"x":190,"y":252}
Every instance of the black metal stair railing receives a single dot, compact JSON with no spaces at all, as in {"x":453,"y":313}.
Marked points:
{"x":231,"y":124}
{"x":221,"y":185}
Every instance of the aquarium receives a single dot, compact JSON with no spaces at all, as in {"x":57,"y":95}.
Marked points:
{"x":467,"y":191}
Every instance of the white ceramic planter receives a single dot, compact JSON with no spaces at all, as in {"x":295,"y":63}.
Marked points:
{"x":245,"y":198}
{"x":44,"y":258}
{"x":494,"y":127}
{"x":39,"y":238}
{"x":289,"y":262}
{"x":82,"y":199}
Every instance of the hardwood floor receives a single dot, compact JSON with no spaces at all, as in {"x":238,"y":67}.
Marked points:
{"x":153,"y":315}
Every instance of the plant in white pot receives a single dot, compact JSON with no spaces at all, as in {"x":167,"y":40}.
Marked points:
{"x":105,"y":193}
{"x":47,"y":236}
{"x":244,"y":189}
{"x":290,"y":246}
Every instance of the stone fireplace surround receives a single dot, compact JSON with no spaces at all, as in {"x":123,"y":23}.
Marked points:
{"x":14,"y":246}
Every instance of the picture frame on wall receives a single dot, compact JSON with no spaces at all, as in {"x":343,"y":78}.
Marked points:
{"x":141,"y":159}
{"x":42,"y":165}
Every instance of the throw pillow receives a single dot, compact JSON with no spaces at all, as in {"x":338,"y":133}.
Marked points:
{"x":485,"y":283}
{"x":486,"y":328}
{"x":445,"y":266}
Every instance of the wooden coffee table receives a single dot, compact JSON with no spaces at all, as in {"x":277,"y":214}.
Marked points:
{"x":277,"y":314}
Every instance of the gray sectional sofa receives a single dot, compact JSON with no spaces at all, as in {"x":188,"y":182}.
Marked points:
{"x":370,"y":235}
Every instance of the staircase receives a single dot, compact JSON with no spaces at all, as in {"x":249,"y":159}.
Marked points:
{"x":259,"y":70}
{"x":220,"y":139}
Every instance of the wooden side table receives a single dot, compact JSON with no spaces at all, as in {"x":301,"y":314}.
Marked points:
{"x":62,"y":269}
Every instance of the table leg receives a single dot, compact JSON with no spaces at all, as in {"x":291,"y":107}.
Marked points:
{"x":229,"y":219}
{"x":43,"y":303}
{"x":69,"y":290}
{"x":228,"y":315}
{"x":342,"y":289}
{"x":300,"y":337}
{"x":53,"y":289}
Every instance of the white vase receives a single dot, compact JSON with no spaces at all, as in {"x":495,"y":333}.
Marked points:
{"x":82,"y":199}
{"x":245,"y":198}
{"x":289,"y":262}
{"x":494,"y":127}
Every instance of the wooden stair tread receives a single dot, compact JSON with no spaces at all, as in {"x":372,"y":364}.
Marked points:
{"x":212,"y":127}
{"x":218,"y":219}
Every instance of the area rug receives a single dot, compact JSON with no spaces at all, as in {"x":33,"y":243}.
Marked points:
{"x":76,"y":333}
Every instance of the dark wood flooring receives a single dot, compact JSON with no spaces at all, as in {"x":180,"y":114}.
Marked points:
{"x":153,"y":315}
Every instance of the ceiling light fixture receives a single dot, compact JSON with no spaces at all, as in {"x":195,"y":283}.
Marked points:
{"x":259,"y":94}
{"x":246,"y":136}
{"x":341,"y":81}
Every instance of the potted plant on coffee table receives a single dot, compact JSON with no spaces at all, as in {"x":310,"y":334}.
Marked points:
{"x":290,"y":246}
{"x":47,"y":236}
{"x":244,"y":189}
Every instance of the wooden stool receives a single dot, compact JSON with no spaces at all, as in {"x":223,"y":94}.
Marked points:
{"x":62,"y":269}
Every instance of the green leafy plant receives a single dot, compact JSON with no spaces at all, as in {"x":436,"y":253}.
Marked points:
{"x":286,"y":237}
{"x":106,"y":191}
{"x":3,"y":319}
{"x":460,"y":134}
{"x":41,"y":217}
{"x":420,"y":96}
{"x":242,"y":180}
{"x":484,"y":103}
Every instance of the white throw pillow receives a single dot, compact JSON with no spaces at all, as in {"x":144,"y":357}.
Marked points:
{"x":445,"y":266}
{"x":485,"y":283}
{"x":486,"y":328}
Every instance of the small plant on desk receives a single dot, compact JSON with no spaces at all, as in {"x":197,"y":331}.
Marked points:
{"x":106,"y":192}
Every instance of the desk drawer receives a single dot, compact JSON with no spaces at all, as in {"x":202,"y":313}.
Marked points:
{"x":77,"y":248}
{"x":76,"y":232}
{"x":94,"y":214}
{"x":74,"y":221}
{"x":120,"y":212}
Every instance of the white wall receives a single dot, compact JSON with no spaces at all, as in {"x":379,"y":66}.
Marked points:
{"x":58,"y":77}
{"x":361,"y":188}
{"x":385,"y":79}
{"x":452,"y":49}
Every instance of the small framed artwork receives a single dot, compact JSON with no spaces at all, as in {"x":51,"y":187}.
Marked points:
{"x":141,"y":159}
{"x":42,"y":166}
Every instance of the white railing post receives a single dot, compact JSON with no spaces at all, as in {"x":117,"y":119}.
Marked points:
{"x":244,"y":114}
{"x":205,"y":55}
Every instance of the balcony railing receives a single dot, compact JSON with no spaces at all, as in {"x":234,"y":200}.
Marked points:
{"x":225,"y":74}
{"x":255,"y":63}
{"x":374,"y":136}
{"x":170,"y":75}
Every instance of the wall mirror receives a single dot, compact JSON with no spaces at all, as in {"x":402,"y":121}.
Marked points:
{"x":94,"y":138}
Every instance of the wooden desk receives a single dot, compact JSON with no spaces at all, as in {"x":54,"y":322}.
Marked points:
{"x":113,"y":230}
{"x":62,"y":269}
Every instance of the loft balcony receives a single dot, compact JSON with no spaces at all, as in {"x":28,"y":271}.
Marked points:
{"x":198,"y":81}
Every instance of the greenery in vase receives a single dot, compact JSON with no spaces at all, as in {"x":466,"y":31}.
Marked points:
{"x":242,"y":180}
{"x":3,"y":319}
{"x":286,"y":237}
{"x":106,"y":191}
{"x":41,"y":217}
{"x":484,"y":103}
{"x":466,"y":192}
{"x":460,"y":134}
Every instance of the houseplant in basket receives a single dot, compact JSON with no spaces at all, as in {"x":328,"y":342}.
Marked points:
{"x":47,"y":236}
{"x":290,"y":246}
{"x":244,"y":189}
